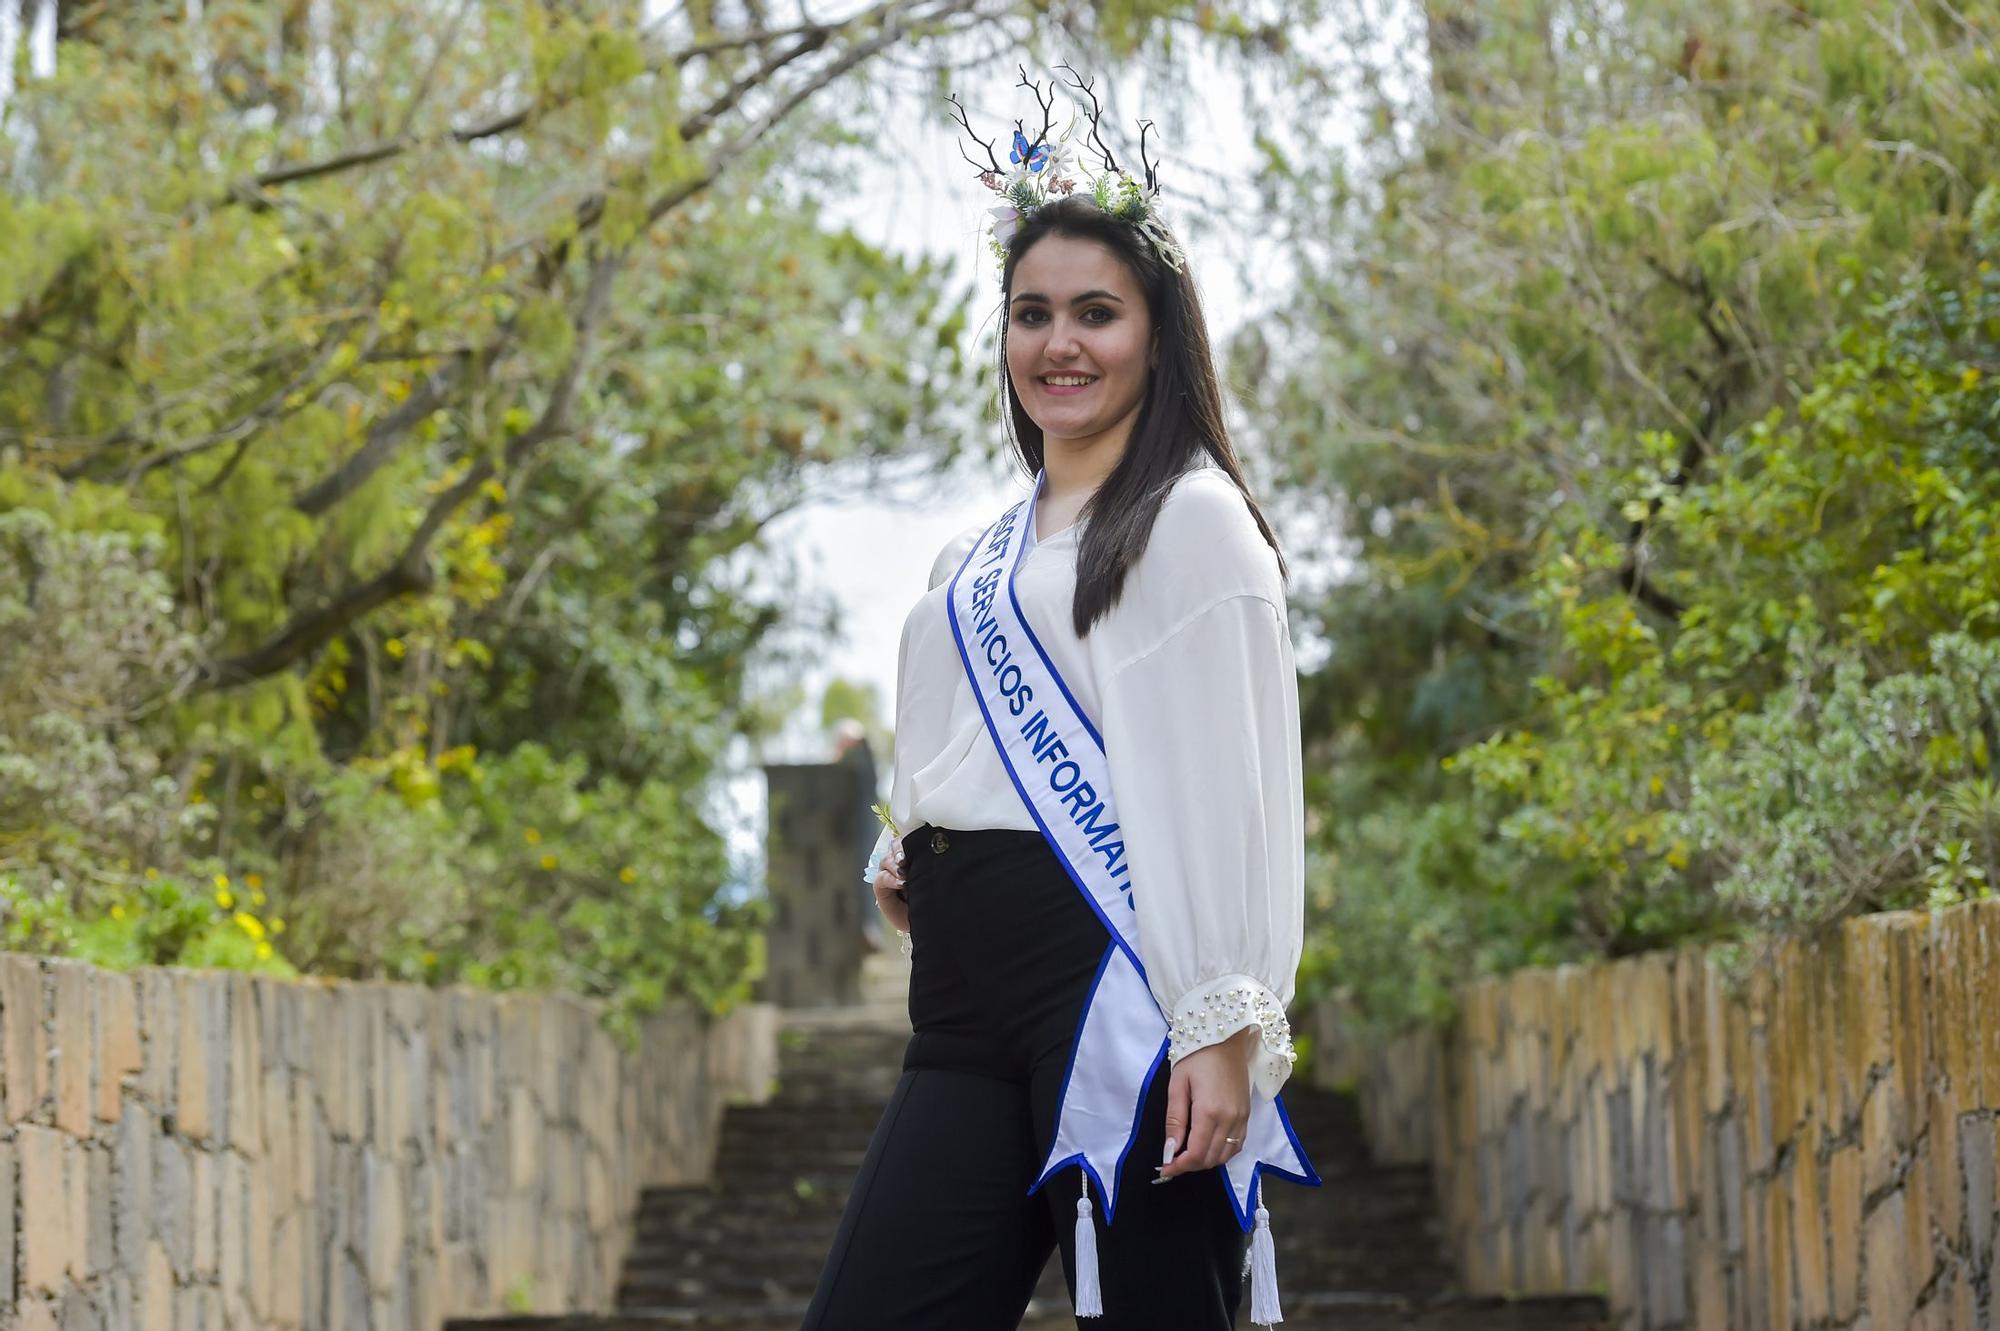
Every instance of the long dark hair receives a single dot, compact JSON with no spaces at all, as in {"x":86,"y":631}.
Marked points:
{"x":1179,"y":419}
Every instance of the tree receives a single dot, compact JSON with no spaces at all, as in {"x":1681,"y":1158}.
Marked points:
{"x":446,"y":362}
{"x":1612,"y":354}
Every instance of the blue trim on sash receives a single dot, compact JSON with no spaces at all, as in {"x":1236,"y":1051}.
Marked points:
{"x":958,"y":637}
{"x":1145,"y":1088}
{"x":1030,"y":538}
{"x":1107,"y":1198}
{"x":1246,"y":1217}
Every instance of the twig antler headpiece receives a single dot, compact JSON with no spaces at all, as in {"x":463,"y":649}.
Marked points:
{"x":1040,"y":170}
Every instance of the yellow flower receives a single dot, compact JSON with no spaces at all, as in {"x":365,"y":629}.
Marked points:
{"x":117,"y":912}
{"x":548,"y":861}
{"x":250,"y":924}
{"x":263,"y":951}
{"x":225,"y":899}
{"x":531,"y":836}
{"x":394,"y":647}
{"x":1969,"y":379}
{"x":277,"y":926}
{"x":253,"y":881}
{"x":258,"y":898}
{"x":152,"y":872}
{"x":430,"y":958}
{"x":222,"y":881}
{"x":628,"y":875}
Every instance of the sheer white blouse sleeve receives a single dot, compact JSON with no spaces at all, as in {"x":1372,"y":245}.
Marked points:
{"x":1201,"y":733}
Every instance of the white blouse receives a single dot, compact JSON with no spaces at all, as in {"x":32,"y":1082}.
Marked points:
{"x":1191,"y":681}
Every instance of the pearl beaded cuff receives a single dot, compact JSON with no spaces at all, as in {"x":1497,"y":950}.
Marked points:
{"x":1218,"y":1009}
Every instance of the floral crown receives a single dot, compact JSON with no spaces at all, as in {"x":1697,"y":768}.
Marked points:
{"x":1040,"y":170}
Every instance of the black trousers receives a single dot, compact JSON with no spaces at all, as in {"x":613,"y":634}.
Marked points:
{"x":940,"y":1232}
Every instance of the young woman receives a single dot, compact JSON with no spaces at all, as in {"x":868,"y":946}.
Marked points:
{"x":1152,"y":586}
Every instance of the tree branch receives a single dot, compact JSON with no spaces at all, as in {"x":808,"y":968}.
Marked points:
{"x":251,"y":190}
{"x":893,"y":25}
{"x":1697,"y":287}
{"x":1718,"y":392}
{"x":383,"y":437}
{"x":245,"y":426}
{"x":388,"y":433}
{"x":1641,"y":589}
{"x":411,"y":570}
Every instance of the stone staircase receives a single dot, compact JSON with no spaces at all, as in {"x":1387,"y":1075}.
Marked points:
{"x":744,"y":1252}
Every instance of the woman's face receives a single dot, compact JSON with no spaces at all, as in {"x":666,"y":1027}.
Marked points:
{"x":1076,"y":315}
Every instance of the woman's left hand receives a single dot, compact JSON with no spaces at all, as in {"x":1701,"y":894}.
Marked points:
{"x":1208,"y":1099}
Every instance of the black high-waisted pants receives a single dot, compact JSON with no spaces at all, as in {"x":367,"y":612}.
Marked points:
{"x":940,"y":1233}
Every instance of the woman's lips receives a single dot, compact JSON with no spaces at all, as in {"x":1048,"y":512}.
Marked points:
{"x":1064,"y":390}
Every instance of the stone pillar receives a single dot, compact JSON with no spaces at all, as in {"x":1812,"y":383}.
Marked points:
{"x":820,"y":831}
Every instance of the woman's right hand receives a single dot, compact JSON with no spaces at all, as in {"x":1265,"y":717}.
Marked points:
{"x":889,"y":890}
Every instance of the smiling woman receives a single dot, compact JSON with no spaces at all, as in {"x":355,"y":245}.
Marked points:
{"x":1134,"y":734}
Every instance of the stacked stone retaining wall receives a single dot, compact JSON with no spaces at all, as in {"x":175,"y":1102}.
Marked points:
{"x":205,"y":1151}
{"x":1818,"y":1150}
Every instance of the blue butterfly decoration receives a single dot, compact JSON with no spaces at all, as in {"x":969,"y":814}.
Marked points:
{"x":1036,"y":160}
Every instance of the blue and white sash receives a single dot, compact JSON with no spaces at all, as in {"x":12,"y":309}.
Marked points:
{"x":1055,"y":757}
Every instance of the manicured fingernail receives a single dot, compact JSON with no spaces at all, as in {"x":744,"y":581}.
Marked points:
{"x":1168,"y":1157}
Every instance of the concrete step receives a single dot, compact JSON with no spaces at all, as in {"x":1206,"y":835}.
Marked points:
{"x":709,"y":1286}
{"x":1354,"y":1312}
{"x":744,"y":1252}
{"x":759,"y":1233}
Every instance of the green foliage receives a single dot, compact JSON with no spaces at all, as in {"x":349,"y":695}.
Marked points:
{"x":328,"y":556}
{"x":1651,"y":360}
{"x":159,"y":921}
{"x":542,"y":842}
{"x":1841,"y":792}
{"x":88,"y":648}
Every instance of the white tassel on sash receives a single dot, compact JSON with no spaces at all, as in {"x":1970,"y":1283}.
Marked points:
{"x":1089,"y":1293}
{"x":1263,"y":1274}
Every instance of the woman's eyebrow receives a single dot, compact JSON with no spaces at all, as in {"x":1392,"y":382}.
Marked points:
{"x":1098,"y":294}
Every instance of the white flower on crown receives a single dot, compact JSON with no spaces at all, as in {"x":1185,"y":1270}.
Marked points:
{"x":1036,"y":165}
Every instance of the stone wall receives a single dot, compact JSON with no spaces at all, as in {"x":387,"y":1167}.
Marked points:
{"x":1818,"y":1150}
{"x":204,"y":1151}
